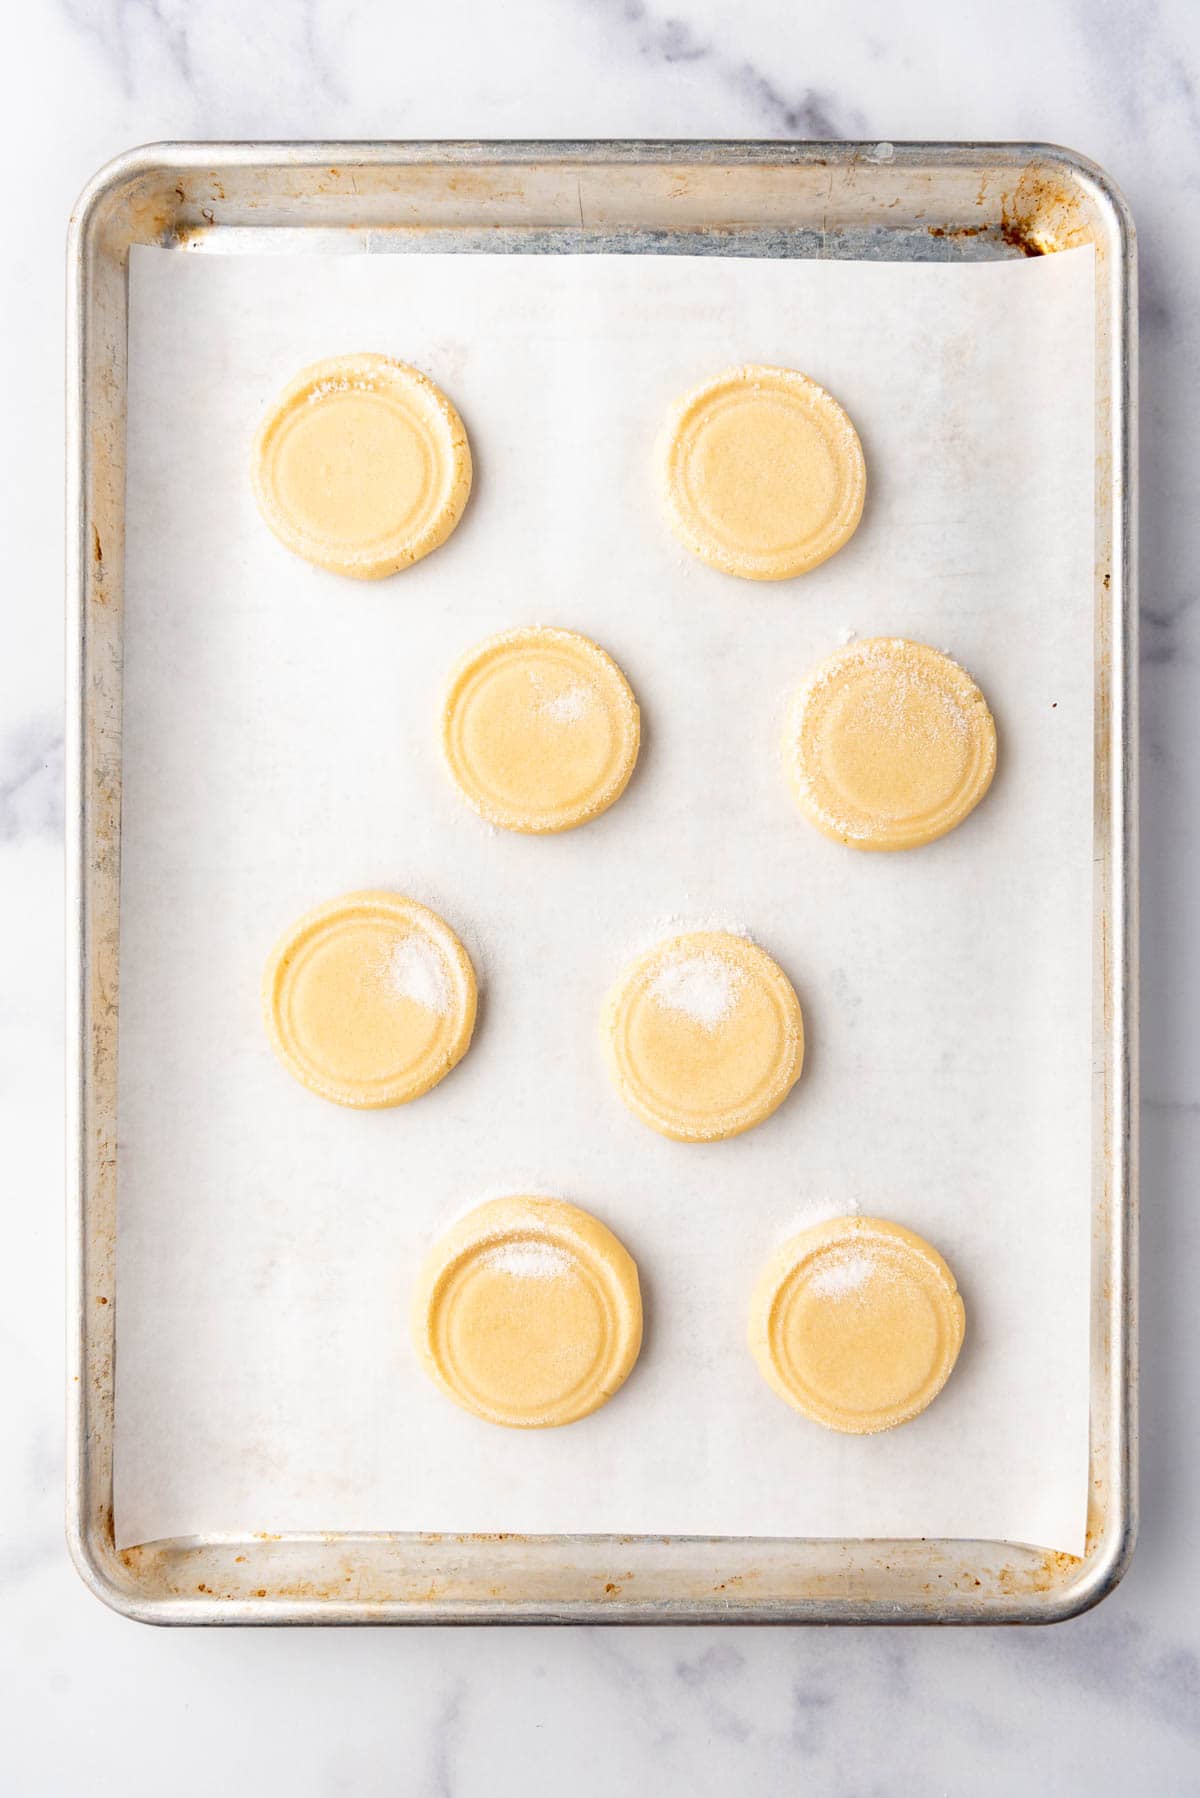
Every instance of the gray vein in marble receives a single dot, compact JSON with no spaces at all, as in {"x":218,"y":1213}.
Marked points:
{"x":711,"y":1677}
{"x":605,"y":1647}
{"x":189,"y":39}
{"x":894,"y":1652}
{"x":1156,"y":315}
{"x":811,"y":113}
{"x":1142,"y":65}
{"x":1154,"y":1678}
{"x":446,"y":1730}
{"x":812,"y":1713}
{"x":111,"y":24}
{"x":317,"y":59}
{"x":707,"y":1675}
{"x":31,"y":782}
{"x":1160,"y":629}
{"x":1148,"y":69}
{"x":814,"y":113}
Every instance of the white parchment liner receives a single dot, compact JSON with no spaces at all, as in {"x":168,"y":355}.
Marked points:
{"x":280,"y":748}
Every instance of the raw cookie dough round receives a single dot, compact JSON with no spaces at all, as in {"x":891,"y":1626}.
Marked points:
{"x":540,"y":730}
{"x":370,"y":1000}
{"x":889,"y":744}
{"x":362,"y":466}
{"x":765,"y":475}
{"x":528,"y":1313}
{"x":857,"y":1323}
{"x":704,"y":1036}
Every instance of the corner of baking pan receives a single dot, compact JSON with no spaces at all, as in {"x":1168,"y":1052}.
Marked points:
{"x":1092,"y":182}
{"x":1056,"y":198}
{"x":90,"y":1544}
{"x":109,"y":198}
{"x":1091,"y":1579}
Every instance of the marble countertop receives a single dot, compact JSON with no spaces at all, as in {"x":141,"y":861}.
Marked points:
{"x":1109,"y":1703}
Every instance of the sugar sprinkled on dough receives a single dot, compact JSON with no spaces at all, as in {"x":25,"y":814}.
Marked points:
{"x":889,"y":705}
{"x":341,"y":384}
{"x":899,"y":704}
{"x":568,"y":706}
{"x":530,"y":1260}
{"x":416,"y":970}
{"x":704,"y":987}
{"x":842,"y":1274}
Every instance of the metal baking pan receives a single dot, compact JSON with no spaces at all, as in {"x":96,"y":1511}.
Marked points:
{"x":927,"y":202}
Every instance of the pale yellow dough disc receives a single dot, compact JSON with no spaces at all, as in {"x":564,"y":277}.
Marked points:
{"x":889,"y":744}
{"x":704,"y":1036}
{"x":857,"y":1323}
{"x":528,"y":1313}
{"x":362,"y":466}
{"x":370,"y":1000}
{"x":540,"y":730}
{"x":765,"y":475}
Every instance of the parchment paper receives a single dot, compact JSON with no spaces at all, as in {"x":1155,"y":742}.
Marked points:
{"x":280,"y":749}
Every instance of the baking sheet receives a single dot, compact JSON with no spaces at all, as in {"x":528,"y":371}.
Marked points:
{"x":280,"y":748}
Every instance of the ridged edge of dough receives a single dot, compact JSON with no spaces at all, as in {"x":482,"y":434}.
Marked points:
{"x":780,"y":1268}
{"x":402,"y":551}
{"x":838,"y":828}
{"x":739,"y":1120}
{"x":495,"y":1221}
{"x":546,"y":823}
{"x":401,"y":1092}
{"x":765,"y":567}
